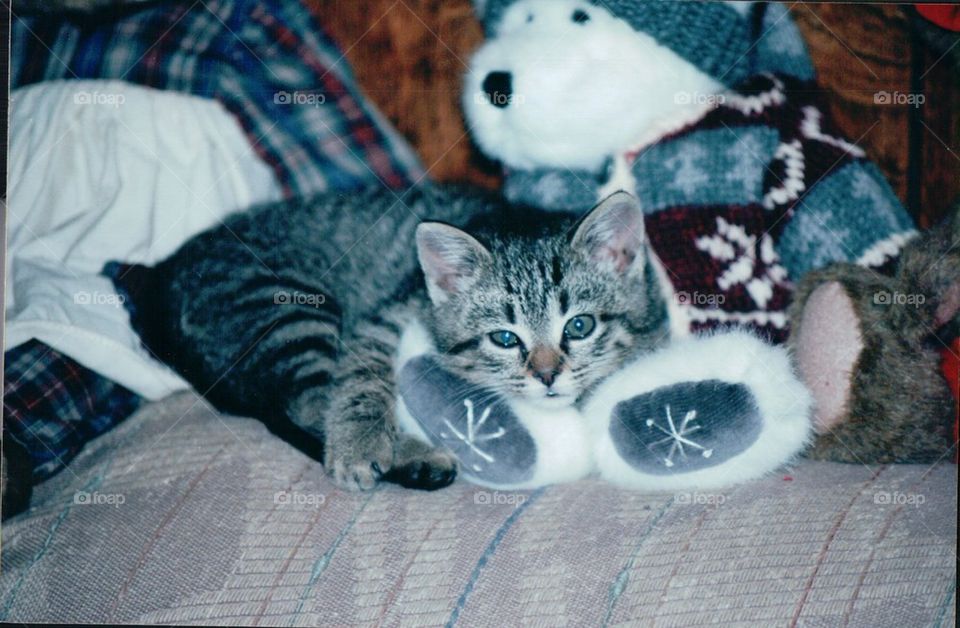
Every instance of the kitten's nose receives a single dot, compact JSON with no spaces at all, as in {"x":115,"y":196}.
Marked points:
{"x":498,"y":86}
{"x":547,"y":377}
{"x":544,"y":364}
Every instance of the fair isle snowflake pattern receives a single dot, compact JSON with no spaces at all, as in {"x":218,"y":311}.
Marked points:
{"x":810,"y":127}
{"x":744,"y":154}
{"x":688,"y":175}
{"x":474,"y":436}
{"x":739,"y":252}
{"x":754,"y":104}
{"x":677,"y":437}
{"x":789,"y":188}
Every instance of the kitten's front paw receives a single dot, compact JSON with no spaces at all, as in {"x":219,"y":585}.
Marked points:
{"x":359,"y":463}
{"x":422,"y":467}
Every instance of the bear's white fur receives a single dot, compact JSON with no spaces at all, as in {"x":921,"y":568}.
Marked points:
{"x":734,"y":357}
{"x":581,"y":91}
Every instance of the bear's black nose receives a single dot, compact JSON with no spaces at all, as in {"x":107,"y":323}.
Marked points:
{"x":499,"y":87}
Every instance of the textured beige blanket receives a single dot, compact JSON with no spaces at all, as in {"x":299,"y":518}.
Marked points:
{"x":184,"y":516}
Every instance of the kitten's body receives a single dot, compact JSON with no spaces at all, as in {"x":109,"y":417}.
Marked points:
{"x":292,"y":312}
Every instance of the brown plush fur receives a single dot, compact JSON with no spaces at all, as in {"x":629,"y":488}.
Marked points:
{"x":900,"y":408}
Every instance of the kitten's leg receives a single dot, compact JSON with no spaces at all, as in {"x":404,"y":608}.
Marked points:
{"x":363,"y":444}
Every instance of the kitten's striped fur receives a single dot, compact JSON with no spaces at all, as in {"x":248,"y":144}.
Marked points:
{"x":292,"y":311}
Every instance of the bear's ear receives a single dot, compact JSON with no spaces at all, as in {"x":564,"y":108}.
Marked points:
{"x":612,"y":234}
{"x":451,"y":259}
{"x":481,"y":8}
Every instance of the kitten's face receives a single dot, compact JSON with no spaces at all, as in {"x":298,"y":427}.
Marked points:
{"x":545,"y":319}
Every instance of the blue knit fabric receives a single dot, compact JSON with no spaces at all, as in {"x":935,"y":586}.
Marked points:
{"x":713,"y":36}
{"x":553,"y":189}
{"x":710,"y":167}
{"x":780,"y":48}
{"x":841,"y":218}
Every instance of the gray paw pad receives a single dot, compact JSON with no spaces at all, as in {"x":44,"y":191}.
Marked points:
{"x":475,"y":424}
{"x":685,"y":427}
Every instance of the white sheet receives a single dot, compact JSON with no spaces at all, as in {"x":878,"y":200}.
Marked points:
{"x":102,"y":170}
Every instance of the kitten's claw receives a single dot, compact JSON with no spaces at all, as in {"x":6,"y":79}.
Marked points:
{"x":361,"y":476}
{"x":362,"y":463}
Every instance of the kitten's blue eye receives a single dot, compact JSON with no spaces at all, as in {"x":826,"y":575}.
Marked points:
{"x":579,"y":327}
{"x":505,"y":339}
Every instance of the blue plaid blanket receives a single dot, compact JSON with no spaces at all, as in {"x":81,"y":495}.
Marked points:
{"x":267,"y":61}
{"x":270,"y":64}
{"x":52,"y":405}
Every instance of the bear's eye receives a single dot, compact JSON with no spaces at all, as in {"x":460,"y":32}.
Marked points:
{"x":529,"y":17}
{"x":580,"y":16}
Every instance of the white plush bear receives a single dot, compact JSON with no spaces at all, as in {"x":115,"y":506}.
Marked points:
{"x":566,"y":84}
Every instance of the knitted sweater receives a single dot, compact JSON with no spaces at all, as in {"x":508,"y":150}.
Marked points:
{"x":744,"y":201}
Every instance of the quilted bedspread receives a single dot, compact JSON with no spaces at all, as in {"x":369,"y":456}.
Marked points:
{"x":182,"y":515}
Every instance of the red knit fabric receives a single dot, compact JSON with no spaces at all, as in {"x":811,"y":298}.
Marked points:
{"x":943,"y":15}
{"x":951,"y":370}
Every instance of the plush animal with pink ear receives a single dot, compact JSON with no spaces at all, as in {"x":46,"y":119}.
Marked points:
{"x":869,"y":348}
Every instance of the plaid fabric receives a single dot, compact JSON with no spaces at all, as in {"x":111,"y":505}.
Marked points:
{"x":267,"y":61}
{"x":53,"y":406}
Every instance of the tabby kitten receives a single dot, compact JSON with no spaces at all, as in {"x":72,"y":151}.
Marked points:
{"x":293,"y":312}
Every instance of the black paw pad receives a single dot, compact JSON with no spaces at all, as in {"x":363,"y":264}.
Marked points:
{"x":685,"y":427}
{"x":421,"y":475}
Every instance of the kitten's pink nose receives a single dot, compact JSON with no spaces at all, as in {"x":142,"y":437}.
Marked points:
{"x":547,"y":377}
{"x":544,"y":364}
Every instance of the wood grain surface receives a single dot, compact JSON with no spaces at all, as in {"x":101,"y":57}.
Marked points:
{"x":410,"y":56}
{"x":863,"y":50}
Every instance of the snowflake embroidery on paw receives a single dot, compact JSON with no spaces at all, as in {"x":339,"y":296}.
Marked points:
{"x":473,"y":438}
{"x":740,"y":251}
{"x":678,"y":436}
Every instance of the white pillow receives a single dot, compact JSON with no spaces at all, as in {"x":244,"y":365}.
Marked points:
{"x":107,"y":170}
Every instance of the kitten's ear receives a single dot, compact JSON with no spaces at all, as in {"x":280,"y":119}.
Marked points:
{"x":450,"y":259}
{"x":613,"y":233}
